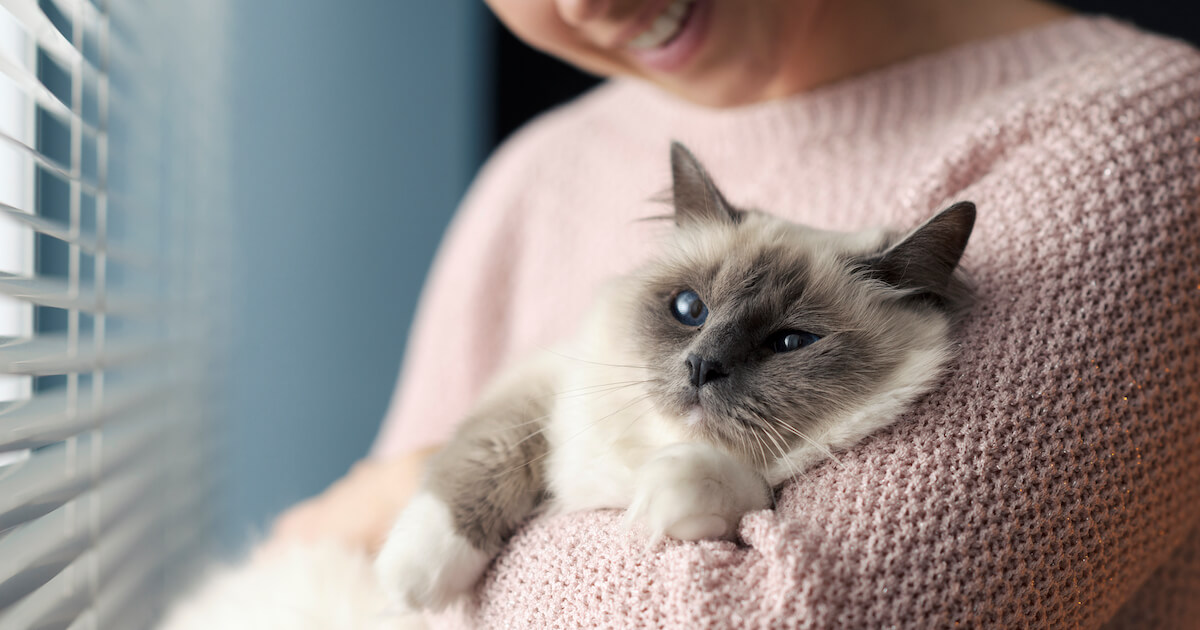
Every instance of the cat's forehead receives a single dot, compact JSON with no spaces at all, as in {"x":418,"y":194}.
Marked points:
{"x":764,"y":252}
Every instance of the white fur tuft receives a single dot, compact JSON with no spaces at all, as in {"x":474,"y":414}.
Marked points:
{"x":316,"y":587}
{"x":425,"y":563}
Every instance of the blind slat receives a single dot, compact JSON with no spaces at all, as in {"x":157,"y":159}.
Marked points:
{"x":86,"y":242}
{"x":59,"y":601}
{"x":52,"y":165}
{"x":40,"y":94}
{"x":39,"y":485}
{"x":47,"y":355}
{"x":34,"y":553}
{"x":43,"y":96}
{"x":56,"y":293}
{"x":90,"y":18}
{"x":121,"y":603}
{"x":51,"y":476}
{"x":31,"y":556}
{"x":122,"y":530}
{"x":49,"y":227}
{"x":46,"y":418}
{"x":101,"y":507}
{"x":31,"y":17}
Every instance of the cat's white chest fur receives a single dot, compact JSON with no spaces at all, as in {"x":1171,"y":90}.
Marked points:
{"x":618,"y":451}
{"x":602,"y":427}
{"x":611,"y":447}
{"x":599,"y":439}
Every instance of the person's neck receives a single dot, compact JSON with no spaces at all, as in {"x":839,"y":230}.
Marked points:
{"x":850,"y":37}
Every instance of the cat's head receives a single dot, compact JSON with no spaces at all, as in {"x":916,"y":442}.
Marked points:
{"x":763,"y":334}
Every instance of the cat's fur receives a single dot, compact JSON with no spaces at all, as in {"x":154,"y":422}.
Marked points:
{"x":319,"y":586}
{"x":690,"y":427}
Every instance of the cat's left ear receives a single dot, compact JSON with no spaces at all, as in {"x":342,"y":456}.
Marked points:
{"x":694,"y":194}
{"x":924,"y":261}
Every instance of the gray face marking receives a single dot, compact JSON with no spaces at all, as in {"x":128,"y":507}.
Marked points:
{"x":868,"y":299}
{"x":751,"y":296}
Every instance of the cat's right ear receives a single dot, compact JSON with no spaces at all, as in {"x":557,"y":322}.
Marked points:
{"x":694,"y":194}
{"x":923,"y":262}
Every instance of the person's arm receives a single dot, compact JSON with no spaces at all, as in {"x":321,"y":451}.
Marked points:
{"x":1044,"y":482}
{"x":357,"y":509}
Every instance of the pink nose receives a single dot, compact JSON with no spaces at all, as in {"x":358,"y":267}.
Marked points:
{"x":576,"y":12}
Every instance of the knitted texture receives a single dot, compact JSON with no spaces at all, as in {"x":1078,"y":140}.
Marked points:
{"x":1051,"y":480}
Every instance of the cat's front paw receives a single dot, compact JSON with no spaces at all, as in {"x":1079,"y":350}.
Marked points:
{"x":695,"y":492}
{"x":425,"y":563}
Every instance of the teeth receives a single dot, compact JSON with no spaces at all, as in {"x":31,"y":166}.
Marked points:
{"x":664,"y":27}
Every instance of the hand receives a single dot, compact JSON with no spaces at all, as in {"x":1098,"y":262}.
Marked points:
{"x":357,"y":510}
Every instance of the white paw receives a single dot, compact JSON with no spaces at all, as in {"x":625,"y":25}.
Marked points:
{"x":695,"y":492}
{"x":425,"y":563}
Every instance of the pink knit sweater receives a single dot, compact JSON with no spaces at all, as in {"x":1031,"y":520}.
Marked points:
{"x":1053,"y":479}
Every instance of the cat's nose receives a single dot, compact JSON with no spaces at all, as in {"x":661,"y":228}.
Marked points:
{"x":701,"y":371}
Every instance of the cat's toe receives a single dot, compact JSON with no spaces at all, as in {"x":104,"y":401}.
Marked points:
{"x":694,"y":492}
{"x":685,"y":509}
{"x":425,"y":564}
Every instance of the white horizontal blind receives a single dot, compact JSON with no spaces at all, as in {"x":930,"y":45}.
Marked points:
{"x":112,"y":211}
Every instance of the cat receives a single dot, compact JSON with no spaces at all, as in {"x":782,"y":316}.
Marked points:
{"x":750,"y":351}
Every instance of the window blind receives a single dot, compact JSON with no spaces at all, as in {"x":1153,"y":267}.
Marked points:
{"x":112,"y":219}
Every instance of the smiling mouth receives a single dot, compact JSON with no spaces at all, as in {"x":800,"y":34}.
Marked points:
{"x":665,"y":27}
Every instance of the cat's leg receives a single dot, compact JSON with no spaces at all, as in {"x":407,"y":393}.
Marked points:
{"x":695,"y":492}
{"x":486,"y":481}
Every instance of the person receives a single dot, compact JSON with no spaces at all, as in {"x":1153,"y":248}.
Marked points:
{"x":1053,"y":479}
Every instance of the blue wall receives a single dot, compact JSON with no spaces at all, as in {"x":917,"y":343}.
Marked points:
{"x":356,"y":127}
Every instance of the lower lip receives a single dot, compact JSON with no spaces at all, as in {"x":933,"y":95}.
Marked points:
{"x":680,"y":50}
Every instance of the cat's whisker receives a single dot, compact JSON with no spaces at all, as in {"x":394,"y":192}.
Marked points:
{"x":629,"y":426}
{"x":538,"y":419}
{"x":758,"y":444}
{"x":585,"y":429}
{"x":793,"y":469}
{"x":593,"y":389}
{"x":783,"y":455}
{"x":545,"y":428}
{"x":824,"y":450}
{"x":532,"y":434}
{"x":765,"y":465}
{"x":597,"y":363}
{"x":763,"y":450}
{"x":781,"y":443}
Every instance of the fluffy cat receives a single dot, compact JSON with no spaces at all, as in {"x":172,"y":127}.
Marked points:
{"x":752,"y":349}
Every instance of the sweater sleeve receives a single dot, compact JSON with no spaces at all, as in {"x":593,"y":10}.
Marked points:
{"x":1054,"y":472}
{"x":458,"y":336}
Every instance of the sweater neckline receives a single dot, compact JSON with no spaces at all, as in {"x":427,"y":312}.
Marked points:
{"x":890,"y":97}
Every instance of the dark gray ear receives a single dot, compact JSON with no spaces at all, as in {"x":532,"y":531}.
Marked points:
{"x":925,"y":259}
{"x":695,"y":196}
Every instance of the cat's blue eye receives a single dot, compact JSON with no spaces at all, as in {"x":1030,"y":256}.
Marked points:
{"x":789,"y":340}
{"x":688,"y":309}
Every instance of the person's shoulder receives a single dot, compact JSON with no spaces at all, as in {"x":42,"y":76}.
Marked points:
{"x":1123,"y":103}
{"x":1123,"y":72}
{"x":562,"y":140}
{"x":571,"y":125}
